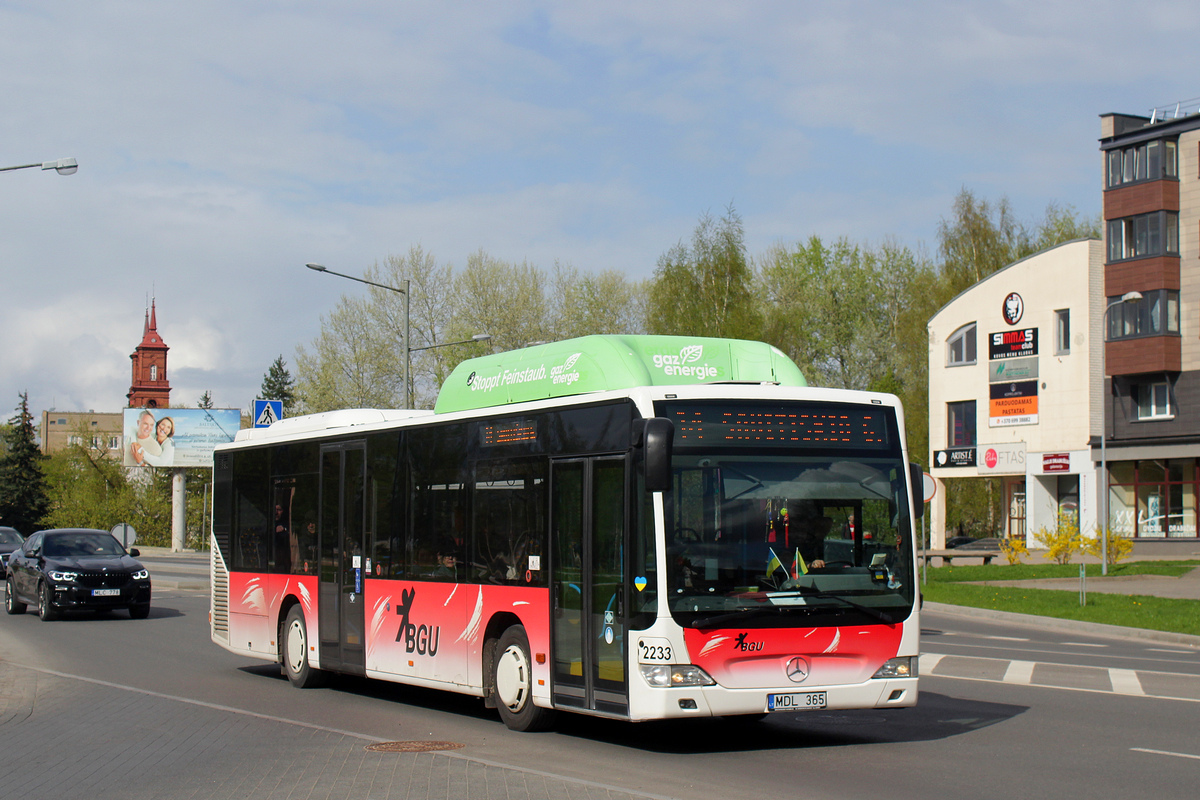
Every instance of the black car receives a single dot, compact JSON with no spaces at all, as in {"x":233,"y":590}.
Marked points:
{"x":76,"y":568}
{"x":10,"y":539}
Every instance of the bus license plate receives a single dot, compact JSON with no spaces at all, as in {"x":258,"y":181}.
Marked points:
{"x":105,"y":592}
{"x":798,"y":701}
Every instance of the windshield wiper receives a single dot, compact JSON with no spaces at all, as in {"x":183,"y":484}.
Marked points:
{"x":737,"y":616}
{"x":868,"y":610}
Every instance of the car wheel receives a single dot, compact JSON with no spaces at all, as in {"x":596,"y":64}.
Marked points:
{"x":11,"y":604}
{"x":512,"y":678}
{"x":293,"y":652}
{"x":46,"y":609}
{"x":140,"y":611}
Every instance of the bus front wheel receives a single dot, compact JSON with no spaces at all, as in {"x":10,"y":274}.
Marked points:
{"x":513,"y":679}
{"x":293,"y":653}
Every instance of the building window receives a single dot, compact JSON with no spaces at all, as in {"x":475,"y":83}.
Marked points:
{"x":154,"y":372}
{"x":73,"y":440}
{"x":961,"y":424}
{"x":1153,"y":499}
{"x":1148,"y":161}
{"x":1142,"y":236}
{"x":960,"y":347}
{"x":1062,"y":331}
{"x":1156,"y":314}
{"x":114,"y":443}
{"x":1153,"y":400}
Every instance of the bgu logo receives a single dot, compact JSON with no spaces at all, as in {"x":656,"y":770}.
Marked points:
{"x":423,"y":639}
{"x":741,"y":644}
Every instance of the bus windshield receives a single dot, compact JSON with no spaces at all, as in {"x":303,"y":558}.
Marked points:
{"x":788,"y":536}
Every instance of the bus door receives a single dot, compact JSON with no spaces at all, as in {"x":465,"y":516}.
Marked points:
{"x":343,"y":552}
{"x":588,"y":519}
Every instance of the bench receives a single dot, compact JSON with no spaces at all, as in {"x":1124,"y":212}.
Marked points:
{"x":959,"y":552}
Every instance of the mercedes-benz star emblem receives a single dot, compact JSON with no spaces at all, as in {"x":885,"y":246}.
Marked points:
{"x":797,"y":670}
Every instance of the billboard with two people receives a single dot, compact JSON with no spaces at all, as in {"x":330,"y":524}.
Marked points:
{"x":177,"y":437}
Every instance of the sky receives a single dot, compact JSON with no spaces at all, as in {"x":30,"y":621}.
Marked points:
{"x":224,"y":145}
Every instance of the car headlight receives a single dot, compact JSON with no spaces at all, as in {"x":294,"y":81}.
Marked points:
{"x":141,"y":575}
{"x":60,"y":575}
{"x":675,"y":675}
{"x":903,"y":667}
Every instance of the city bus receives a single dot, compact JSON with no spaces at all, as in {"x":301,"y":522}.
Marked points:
{"x":630,"y":527}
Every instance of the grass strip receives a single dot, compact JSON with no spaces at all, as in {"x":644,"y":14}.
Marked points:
{"x":1022,"y":572}
{"x":1131,"y":611}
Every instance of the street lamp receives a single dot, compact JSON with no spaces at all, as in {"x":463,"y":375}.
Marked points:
{"x":63,"y":166}
{"x":1128,"y":297}
{"x":405,"y":292}
{"x":479,"y":337}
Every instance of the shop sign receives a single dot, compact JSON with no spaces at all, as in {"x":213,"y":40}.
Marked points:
{"x":955,"y":457}
{"x":1013,"y":369}
{"x":1013,"y":404}
{"x":1002,"y":459}
{"x":1012,"y":344}
{"x":1056,"y":462}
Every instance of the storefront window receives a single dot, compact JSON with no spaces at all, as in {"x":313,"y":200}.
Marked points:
{"x":1153,"y":499}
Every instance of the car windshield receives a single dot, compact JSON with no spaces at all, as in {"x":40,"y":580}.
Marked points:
{"x":68,"y":545}
{"x":780,"y":539}
{"x":9,"y":536}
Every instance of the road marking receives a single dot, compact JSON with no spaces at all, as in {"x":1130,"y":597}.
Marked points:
{"x":1083,"y":644}
{"x":1019,"y":671}
{"x":928,"y":662}
{"x":1163,"y":753}
{"x":1125,"y":681}
{"x":1172,"y":652}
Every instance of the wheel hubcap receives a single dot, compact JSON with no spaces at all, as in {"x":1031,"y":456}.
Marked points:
{"x":512,"y":678}
{"x":295,"y":647}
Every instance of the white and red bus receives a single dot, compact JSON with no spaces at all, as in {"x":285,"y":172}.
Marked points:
{"x":634,"y":527}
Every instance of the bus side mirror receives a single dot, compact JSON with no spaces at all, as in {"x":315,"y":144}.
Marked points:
{"x":916,"y":477}
{"x":659,"y":437}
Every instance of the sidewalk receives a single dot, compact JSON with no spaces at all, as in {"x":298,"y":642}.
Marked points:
{"x":1184,"y":587}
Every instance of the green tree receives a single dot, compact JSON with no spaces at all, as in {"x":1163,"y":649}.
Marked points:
{"x":278,"y":384}
{"x":705,"y":288}
{"x":582,"y":304}
{"x":23,"y":501}
{"x":205,"y":400}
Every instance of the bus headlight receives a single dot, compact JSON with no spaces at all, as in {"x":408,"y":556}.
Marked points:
{"x":903,"y":667}
{"x":675,"y":675}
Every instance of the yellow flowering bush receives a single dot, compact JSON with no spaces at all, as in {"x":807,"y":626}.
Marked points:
{"x":1013,"y":548}
{"x":1062,"y":542}
{"x":1119,"y":546}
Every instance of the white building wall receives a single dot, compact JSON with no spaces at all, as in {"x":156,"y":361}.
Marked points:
{"x":1070,"y":277}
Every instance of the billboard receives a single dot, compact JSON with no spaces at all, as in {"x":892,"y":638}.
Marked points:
{"x":176,"y":437}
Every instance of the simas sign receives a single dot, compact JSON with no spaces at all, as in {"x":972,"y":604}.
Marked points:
{"x":1012,"y":344}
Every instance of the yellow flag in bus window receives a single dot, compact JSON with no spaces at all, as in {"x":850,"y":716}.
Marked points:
{"x":798,"y":566}
{"x":773,"y":563}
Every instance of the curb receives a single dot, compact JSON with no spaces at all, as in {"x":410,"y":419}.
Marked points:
{"x":1055,"y":623}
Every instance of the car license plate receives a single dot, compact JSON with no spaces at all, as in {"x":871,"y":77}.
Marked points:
{"x":797,"y":701}
{"x":105,"y":592}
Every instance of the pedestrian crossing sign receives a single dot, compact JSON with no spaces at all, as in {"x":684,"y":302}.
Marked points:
{"x":266,"y":412}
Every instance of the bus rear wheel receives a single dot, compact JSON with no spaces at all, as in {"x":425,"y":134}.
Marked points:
{"x":293,"y":652}
{"x":512,"y":678}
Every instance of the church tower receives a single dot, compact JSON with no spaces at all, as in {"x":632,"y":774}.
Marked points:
{"x":150,"y":388}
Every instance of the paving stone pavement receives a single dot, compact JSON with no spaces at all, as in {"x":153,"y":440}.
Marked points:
{"x":130,"y":745}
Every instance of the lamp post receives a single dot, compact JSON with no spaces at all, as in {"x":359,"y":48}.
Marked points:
{"x":1128,"y":297}
{"x":408,"y":351}
{"x":63,"y":166}
{"x":405,"y":292}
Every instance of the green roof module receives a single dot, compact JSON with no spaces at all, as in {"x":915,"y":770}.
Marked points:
{"x":605,"y":363}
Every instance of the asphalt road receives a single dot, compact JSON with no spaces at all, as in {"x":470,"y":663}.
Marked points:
{"x":96,"y":707}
